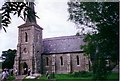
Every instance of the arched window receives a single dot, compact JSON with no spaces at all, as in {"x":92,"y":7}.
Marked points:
{"x":37,"y":37}
{"x":47,"y":61}
{"x":77,"y":57}
{"x":61,"y":60}
{"x":26,"y":37}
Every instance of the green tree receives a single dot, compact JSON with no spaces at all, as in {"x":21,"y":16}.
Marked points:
{"x":101,"y":46}
{"x":9,"y":56}
{"x":21,"y":9}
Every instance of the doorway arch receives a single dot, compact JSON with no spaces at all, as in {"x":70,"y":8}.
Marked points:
{"x":25,"y":68}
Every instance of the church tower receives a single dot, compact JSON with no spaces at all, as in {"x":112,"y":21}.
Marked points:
{"x":29,"y":46}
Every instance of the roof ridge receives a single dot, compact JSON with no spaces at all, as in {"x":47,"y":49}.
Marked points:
{"x":62,"y":37}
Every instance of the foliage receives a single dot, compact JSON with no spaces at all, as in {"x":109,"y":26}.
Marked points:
{"x":101,"y":45}
{"x":52,"y":76}
{"x":21,"y":9}
{"x":9,"y":58}
{"x":11,"y":78}
{"x":81,"y":74}
{"x":113,"y":76}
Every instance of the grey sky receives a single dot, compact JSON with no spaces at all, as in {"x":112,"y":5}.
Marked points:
{"x":53,"y":19}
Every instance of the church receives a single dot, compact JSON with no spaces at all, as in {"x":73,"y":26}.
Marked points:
{"x":57,"y":54}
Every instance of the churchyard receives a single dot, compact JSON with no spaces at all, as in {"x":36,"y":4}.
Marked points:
{"x":97,"y":48}
{"x":69,"y":77}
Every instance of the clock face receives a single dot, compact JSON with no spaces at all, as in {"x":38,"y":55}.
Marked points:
{"x":25,"y":50}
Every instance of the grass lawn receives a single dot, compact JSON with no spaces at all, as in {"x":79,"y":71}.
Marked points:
{"x":69,"y":77}
{"x":113,"y":76}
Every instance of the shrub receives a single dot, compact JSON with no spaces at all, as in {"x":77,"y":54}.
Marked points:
{"x":85,"y":74}
{"x":81,"y":74}
{"x":51,"y":76}
{"x":76,"y":74}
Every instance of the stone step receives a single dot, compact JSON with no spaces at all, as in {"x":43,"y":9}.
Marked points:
{"x":19,"y":77}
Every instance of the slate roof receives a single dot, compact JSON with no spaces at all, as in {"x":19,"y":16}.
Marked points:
{"x":63,"y":44}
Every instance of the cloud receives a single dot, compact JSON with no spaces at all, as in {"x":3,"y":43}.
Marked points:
{"x":9,"y":39}
{"x":53,"y":18}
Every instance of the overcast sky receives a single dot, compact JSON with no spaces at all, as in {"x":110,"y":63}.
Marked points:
{"x":53,"y":19}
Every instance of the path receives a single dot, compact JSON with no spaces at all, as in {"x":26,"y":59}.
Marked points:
{"x":19,"y":77}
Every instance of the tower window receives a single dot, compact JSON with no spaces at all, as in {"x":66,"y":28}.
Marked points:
{"x":77,"y":57}
{"x":47,"y":61}
{"x":26,"y":37}
{"x":61,"y":60}
{"x":37,"y":37}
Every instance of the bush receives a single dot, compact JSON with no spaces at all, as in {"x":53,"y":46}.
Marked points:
{"x":51,"y":76}
{"x":85,"y":74}
{"x":76,"y":74}
{"x":81,"y":74}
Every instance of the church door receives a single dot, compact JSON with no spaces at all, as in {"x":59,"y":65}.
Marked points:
{"x":25,"y":68}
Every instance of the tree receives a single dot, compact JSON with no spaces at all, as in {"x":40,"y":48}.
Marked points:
{"x":9,"y":58}
{"x":21,"y":9}
{"x":101,"y":44}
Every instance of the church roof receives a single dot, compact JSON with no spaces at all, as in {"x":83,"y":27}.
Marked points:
{"x":63,"y":44}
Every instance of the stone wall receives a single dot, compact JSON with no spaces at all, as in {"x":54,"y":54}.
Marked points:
{"x":69,"y":63}
{"x":83,"y":62}
{"x":29,"y":48}
{"x":37,"y":49}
